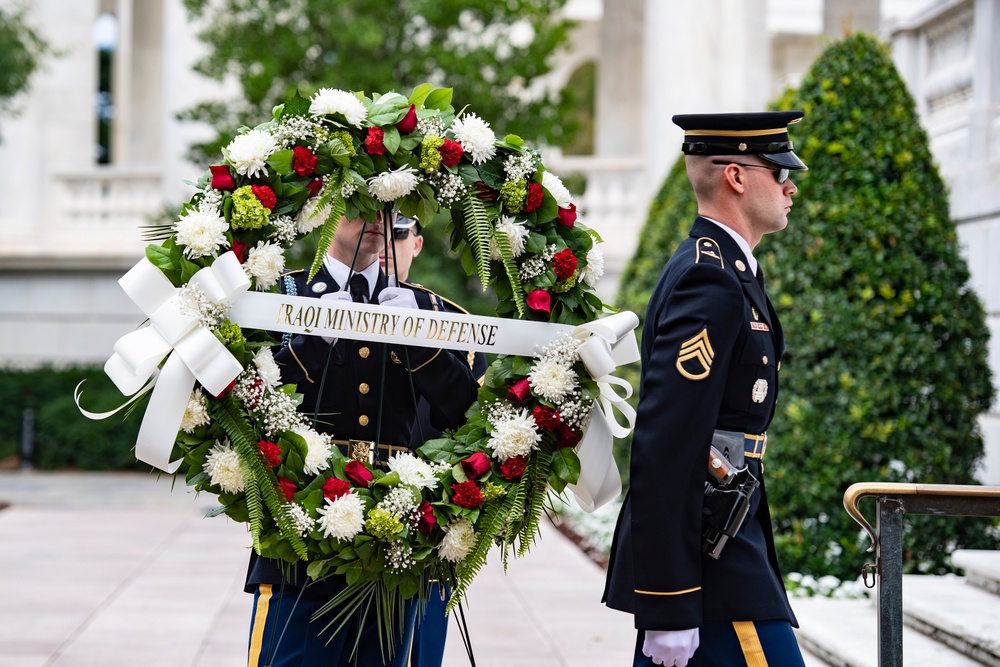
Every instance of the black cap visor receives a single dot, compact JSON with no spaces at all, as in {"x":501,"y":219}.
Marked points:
{"x":787,"y":159}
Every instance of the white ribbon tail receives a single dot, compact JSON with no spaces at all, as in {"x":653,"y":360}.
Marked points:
{"x":78,"y":392}
{"x":164,"y":414}
{"x":599,"y":482}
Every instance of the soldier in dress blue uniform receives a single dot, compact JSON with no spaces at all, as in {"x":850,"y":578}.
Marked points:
{"x":344,"y":396}
{"x":711,"y":352}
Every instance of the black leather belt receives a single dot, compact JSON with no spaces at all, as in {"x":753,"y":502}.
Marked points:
{"x":737,"y":446}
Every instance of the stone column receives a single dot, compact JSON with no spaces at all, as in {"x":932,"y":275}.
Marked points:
{"x":620,"y":80}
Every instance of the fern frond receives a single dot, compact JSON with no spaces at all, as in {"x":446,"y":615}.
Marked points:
{"x":510,"y":266}
{"x":479,"y":231}
{"x":330,"y":194}
{"x":539,"y":490}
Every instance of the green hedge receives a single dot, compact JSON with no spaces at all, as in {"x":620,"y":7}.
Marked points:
{"x":65,"y":439}
{"x":885,"y":371}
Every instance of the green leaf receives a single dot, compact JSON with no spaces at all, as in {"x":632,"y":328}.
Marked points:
{"x":420,"y":93}
{"x":566,"y":465}
{"x":282,"y":161}
{"x":391,"y":138}
{"x":296,"y":106}
{"x":439,"y":98}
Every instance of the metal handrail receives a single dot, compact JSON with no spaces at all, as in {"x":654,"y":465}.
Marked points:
{"x":895,"y":500}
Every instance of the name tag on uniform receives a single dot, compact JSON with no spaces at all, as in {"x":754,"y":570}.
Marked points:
{"x":759,"y":326}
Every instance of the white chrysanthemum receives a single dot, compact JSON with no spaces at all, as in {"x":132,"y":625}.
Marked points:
{"x":413,"y":471}
{"x":516,"y":233}
{"x":459,"y":538}
{"x":267,"y":369}
{"x":309,"y":217}
{"x":300,"y":517}
{"x":318,"y":454}
{"x":555,"y":186}
{"x":331,"y":100}
{"x":551,"y":379}
{"x":476,"y":137}
{"x":391,"y":185}
{"x":515,"y":436}
{"x":595,"y":266}
{"x":195,"y":414}
{"x":201,"y":232}
{"x":265,"y":264}
{"x":223,"y":466}
{"x":249,"y":152}
{"x":342,"y":518}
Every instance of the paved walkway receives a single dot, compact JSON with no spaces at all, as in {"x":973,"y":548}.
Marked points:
{"x":116,"y":570}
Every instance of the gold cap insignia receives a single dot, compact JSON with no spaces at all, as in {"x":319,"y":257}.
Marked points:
{"x":694,"y":360}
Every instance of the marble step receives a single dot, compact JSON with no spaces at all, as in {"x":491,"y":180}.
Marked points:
{"x":982,"y":568}
{"x":956,"y":613}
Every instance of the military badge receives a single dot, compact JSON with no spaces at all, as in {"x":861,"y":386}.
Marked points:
{"x":759,"y":326}
{"x":759,"y":391}
{"x":740,"y":265}
{"x":694,"y":359}
{"x":319,"y":287}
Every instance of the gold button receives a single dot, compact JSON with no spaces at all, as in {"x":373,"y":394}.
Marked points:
{"x":363,"y":352}
{"x":363,"y":420}
{"x":363,"y":388}
{"x":764,"y":360}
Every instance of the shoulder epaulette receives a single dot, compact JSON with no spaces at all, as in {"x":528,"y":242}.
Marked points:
{"x":292,"y":272}
{"x":707,"y":251}
{"x":435,"y":295}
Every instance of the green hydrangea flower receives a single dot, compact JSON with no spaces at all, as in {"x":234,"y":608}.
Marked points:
{"x":565,"y":285}
{"x":382,"y":525}
{"x":492,"y":492}
{"x":248,"y":212}
{"x":231,"y":334}
{"x":513,"y":193}
{"x":430,"y":155}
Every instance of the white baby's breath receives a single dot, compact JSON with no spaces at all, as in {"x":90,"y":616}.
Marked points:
{"x":248,"y":152}
{"x":391,"y":185}
{"x":301,"y":519}
{"x":223,"y":466}
{"x":330,"y":100}
{"x":201,"y":232}
{"x":476,"y":137}
{"x":342,"y":518}
{"x":459,"y":538}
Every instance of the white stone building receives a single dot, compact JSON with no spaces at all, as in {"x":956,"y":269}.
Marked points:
{"x":71,"y":225}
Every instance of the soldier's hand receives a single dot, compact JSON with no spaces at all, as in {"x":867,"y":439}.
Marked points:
{"x":397,"y":297}
{"x":670,"y":647}
{"x":335,"y":296}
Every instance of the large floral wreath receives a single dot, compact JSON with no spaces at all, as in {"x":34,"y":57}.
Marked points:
{"x":435,"y":512}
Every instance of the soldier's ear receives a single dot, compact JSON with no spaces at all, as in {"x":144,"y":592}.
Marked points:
{"x":418,"y":245}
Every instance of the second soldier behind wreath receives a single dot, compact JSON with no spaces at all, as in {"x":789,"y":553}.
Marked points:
{"x":711,"y":351}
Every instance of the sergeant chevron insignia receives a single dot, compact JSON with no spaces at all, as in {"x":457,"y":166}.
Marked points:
{"x":694,"y":359}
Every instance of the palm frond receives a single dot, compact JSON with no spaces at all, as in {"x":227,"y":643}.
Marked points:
{"x":478,"y":230}
{"x":157,"y":231}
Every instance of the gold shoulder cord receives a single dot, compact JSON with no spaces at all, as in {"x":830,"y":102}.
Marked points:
{"x":304,"y":369}
{"x":414,"y":370}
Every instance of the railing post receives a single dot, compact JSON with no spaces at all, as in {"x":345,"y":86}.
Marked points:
{"x":890,"y":582}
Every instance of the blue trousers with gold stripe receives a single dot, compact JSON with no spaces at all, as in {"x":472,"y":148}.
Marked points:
{"x":739,"y":644}
{"x":282,"y":634}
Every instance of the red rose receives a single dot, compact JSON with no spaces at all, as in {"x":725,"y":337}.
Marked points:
{"x":534,"y":199}
{"x":564,"y":264}
{"x":265,"y":196}
{"x":314,"y":186}
{"x":513,"y":467}
{"x":288,"y":486}
{"x":567,"y":216}
{"x":358,"y":473}
{"x":221,"y":178}
{"x":467,"y":495}
{"x":409,"y":122}
{"x":546,"y":418}
{"x":271,"y":453}
{"x":374,"y":141}
{"x":334,"y":488}
{"x":485,"y":192}
{"x":566,"y":437}
{"x":425,"y":517}
{"x":451,"y":153}
{"x":540,"y":301}
{"x":519,"y":391}
{"x":476,"y":465}
{"x":303,"y":161}
{"x":239,"y":249}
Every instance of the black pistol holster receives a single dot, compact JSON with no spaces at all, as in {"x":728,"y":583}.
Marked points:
{"x":728,"y":488}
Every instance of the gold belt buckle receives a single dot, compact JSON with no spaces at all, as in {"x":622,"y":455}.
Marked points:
{"x":361,"y":450}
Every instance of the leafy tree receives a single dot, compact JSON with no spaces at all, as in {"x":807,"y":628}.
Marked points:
{"x":491,"y":53}
{"x":22,"y":49}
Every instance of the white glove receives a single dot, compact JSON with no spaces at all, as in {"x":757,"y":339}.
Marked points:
{"x":397,"y":297}
{"x":335,"y":296}
{"x":670,"y":647}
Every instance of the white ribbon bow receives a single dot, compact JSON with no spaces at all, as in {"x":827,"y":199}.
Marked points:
{"x":198,"y":353}
{"x":607,"y":344}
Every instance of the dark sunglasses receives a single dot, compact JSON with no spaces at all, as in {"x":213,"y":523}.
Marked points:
{"x":780,"y":173}
{"x":401,"y":234}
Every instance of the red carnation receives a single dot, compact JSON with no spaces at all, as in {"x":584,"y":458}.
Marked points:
{"x":451,"y":153}
{"x":221,"y":178}
{"x":334,"y":488}
{"x":540,"y":301}
{"x":265,"y":196}
{"x":425,"y":517}
{"x":513,"y":467}
{"x":534,"y":199}
{"x":567,"y":216}
{"x":409,"y":122}
{"x":314,"y":186}
{"x":566,"y":437}
{"x":303,"y":161}
{"x":271,"y":453}
{"x":485,"y":192}
{"x":546,"y":418}
{"x":288,"y":486}
{"x":564,"y":264}
{"x":467,"y":495}
{"x":476,"y":465}
{"x":225,"y":391}
{"x":374,"y":142}
{"x":239,"y":249}
{"x":358,"y":473}
{"x":519,"y":391}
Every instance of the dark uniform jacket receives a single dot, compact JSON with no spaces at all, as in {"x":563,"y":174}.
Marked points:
{"x":344,"y":395}
{"x":711,"y":346}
